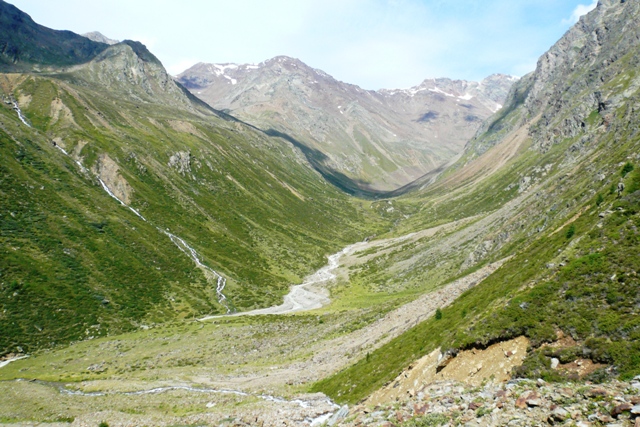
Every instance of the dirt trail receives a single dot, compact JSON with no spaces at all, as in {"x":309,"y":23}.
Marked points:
{"x":355,"y":344}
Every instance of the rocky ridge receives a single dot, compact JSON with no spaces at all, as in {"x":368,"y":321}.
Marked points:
{"x":129,"y":68}
{"x":582,"y":81}
{"x":377,"y":140}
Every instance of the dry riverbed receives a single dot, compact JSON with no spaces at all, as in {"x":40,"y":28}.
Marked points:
{"x":231,"y":369}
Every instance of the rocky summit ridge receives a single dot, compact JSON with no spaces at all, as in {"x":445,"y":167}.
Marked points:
{"x":376,"y":141}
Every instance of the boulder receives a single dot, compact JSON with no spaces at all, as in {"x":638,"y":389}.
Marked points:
{"x":619,"y":409}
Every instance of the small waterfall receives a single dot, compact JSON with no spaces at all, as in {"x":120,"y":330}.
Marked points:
{"x":178,"y":241}
{"x":20,"y":115}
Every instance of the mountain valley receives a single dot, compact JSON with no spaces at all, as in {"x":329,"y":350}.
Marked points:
{"x":372,"y":141}
{"x":481,"y":239}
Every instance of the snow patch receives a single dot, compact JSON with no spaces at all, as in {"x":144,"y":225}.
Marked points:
{"x":232,"y":80}
{"x":440,"y":91}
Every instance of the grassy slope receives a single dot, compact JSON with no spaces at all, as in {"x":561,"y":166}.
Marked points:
{"x":581,"y":280}
{"x":249,"y":205}
{"x":571,"y":269}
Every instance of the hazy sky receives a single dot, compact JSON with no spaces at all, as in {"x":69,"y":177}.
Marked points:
{"x":372,"y":43}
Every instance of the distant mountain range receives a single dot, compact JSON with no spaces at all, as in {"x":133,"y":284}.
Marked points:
{"x":376,"y":141}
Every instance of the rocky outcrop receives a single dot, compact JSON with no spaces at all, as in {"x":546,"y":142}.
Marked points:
{"x":109,"y":172}
{"x":578,"y":85}
{"x":100,"y":38}
{"x":129,"y":69}
{"x":181,"y":161}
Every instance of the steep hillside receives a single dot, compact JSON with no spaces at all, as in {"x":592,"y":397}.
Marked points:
{"x":551,"y":186}
{"x":126,"y":201}
{"x":371,"y":141}
{"x":25,"y":44}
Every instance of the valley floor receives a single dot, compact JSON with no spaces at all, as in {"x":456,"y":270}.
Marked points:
{"x":221,"y":368}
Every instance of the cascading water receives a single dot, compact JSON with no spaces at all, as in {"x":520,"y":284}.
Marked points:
{"x":220,"y":281}
{"x":178,"y":241}
{"x":20,"y":115}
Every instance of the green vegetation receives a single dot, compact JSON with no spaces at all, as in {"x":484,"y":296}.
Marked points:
{"x":571,"y":231}
{"x":572,"y":270}
{"x":77,"y":264}
{"x":582,"y":282}
{"x":429,"y":420}
{"x":77,"y":267}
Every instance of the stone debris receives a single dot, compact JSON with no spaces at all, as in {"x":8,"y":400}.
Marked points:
{"x":515,"y":403}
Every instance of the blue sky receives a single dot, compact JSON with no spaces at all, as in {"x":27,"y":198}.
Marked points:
{"x":372,"y":43}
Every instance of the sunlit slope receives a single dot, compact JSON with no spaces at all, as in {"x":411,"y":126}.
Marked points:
{"x":77,"y":263}
{"x":541,"y":185}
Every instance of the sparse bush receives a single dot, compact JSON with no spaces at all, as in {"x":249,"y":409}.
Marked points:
{"x":571,"y":231}
{"x":599,"y":199}
{"x":428,"y":420}
{"x":628,"y":167}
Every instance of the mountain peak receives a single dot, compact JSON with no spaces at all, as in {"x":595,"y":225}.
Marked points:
{"x":100,"y":38}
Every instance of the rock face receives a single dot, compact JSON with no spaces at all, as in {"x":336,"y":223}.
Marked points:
{"x":579,"y":83}
{"x":181,"y":161}
{"x":130,"y":69}
{"x":376,"y":140}
{"x":109,"y":172}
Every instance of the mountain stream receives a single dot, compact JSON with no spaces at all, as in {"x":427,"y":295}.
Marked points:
{"x":308,"y":295}
{"x":20,"y":115}
{"x":209,"y":273}
{"x":316,"y":411}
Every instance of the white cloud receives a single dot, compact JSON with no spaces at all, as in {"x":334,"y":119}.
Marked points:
{"x":176,"y":67}
{"x":581,"y":9}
